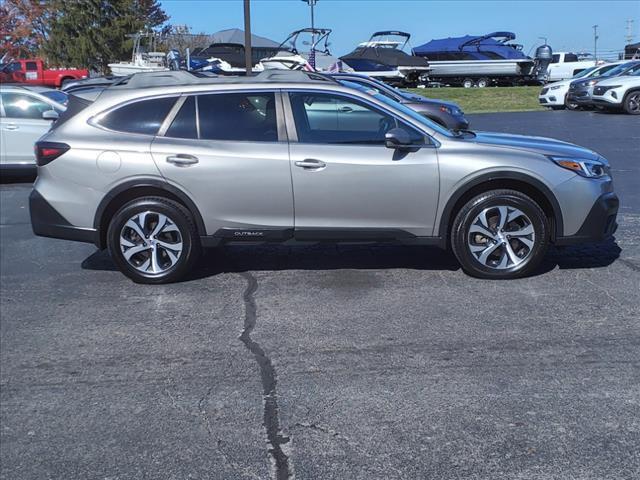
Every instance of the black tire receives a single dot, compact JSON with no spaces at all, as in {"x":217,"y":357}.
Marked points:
{"x":179,"y":217}
{"x":569,"y":104}
{"x":468,"y":83}
{"x":461,"y":239}
{"x":631,"y":103}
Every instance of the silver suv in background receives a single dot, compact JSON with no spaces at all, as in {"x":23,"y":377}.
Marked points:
{"x":164,"y":164}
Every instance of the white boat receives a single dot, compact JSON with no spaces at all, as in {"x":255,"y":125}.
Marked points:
{"x":317,"y":58}
{"x":383,"y":57}
{"x":141,"y":61}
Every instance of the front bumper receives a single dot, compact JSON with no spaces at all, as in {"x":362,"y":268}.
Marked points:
{"x":46,"y":221}
{"x":551,"y":97}
{"x":599,"y":224}
{"x":581,"y":97}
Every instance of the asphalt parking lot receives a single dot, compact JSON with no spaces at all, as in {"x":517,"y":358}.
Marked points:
{"x":324,"y":362}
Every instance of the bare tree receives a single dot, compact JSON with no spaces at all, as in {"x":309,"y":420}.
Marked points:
{"x":180,"y":38}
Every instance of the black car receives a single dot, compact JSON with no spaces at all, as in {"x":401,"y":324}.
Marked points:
{"x":447,"y":114}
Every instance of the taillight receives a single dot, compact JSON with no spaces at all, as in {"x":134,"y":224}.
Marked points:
{"x":46,"y":152}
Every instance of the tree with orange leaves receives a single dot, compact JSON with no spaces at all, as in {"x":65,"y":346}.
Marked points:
{"x":23,"y":27}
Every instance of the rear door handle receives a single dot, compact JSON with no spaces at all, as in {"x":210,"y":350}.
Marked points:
{"x":182,"y":160}
{"x":310,"y":164}
{"x":11,"y":126}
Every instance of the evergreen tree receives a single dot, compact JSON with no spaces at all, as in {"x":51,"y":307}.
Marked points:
{"x":94,"y":33}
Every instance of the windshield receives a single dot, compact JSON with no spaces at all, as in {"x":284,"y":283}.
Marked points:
{"x":585,"y":72}
{"x":617,"y":70}
{"x":370,"y":84}
{"x":56,"y":96}
{"x":400,"y":107}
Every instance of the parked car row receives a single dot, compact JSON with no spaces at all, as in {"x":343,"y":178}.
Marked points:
{"x":614,"y":86}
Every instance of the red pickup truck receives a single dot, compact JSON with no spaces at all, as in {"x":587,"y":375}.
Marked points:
{"x":33,"y":72}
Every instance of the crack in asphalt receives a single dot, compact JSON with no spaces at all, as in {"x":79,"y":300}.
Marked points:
{"x":271,"y":422}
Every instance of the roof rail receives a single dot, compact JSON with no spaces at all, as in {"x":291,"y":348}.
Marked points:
{"x":183,"y":77}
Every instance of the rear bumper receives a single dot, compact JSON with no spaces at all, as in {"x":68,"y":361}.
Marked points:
{"x":599,"y":224}
{"x":47,"y":222}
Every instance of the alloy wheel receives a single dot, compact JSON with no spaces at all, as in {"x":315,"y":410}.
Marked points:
{"x":634,"y":102}
{"x":501,"y":237}
{"x":150,"y":242}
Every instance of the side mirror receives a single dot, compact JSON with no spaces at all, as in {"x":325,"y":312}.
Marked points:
{"x":397,"y":138}
{"x":50,"y":115}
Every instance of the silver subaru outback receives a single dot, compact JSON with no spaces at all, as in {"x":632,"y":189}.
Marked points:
{"x":163,"y":164}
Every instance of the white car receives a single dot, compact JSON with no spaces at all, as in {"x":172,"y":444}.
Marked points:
{"x":554,"y":95}
{"x":22,"y":123}
{"x":619,"y":93}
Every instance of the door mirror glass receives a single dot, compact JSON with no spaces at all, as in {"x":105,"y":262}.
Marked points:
{"x":50,"y":115}
{"x":397,"y":138}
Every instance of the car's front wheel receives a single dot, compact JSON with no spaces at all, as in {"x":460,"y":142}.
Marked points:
{"x":153,"y":240}
{"x":632,"y":103}
{"x":570,"y":105}
{"x":500,"y":234}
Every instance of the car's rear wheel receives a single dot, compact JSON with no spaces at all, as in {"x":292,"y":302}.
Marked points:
{"x":482,"y":82}
{"x":632,"y":103}
{"x":153,"y":240}
{"x":468,"y":83}
{"x":500,"y":234}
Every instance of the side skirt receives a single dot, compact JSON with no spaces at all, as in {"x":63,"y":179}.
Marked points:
{"x":228,"y":236}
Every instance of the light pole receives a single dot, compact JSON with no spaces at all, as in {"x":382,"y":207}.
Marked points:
{"x":595,"y":42}
{"x":247,"y":37}
{"x":312,"y":3}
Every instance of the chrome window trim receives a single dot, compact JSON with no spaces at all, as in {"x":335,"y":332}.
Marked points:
{"x":168,"y":120}
{"x":291,"y":126}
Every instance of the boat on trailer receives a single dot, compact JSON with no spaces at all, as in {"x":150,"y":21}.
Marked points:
{"x":383,"y":57}
{"x":483,"y":60}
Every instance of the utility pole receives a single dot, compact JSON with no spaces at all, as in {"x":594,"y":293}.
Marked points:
{"x":247,"y":37}
{"x":595,"y":42}
{"x":629,"y":36}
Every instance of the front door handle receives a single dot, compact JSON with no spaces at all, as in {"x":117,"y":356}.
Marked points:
{"x":311,"y":164}
{"x":11,"y":126}
{"x":182,"y":160}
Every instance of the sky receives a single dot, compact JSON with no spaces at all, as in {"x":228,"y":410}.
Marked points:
{"x":566,"y":24}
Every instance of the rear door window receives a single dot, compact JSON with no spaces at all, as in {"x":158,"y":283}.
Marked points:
{"x":144,"y":116}
{"x":246,"y":116}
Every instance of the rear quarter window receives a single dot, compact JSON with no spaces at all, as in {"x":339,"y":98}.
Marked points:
{"x":143,"y":116}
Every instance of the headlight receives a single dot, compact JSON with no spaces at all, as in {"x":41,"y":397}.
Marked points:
{"x":602,"y":90}
{"x":555,"y":88}
{"x":591,"y":82}
{"x":445,"y":109}
{"x":583,"y":167}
